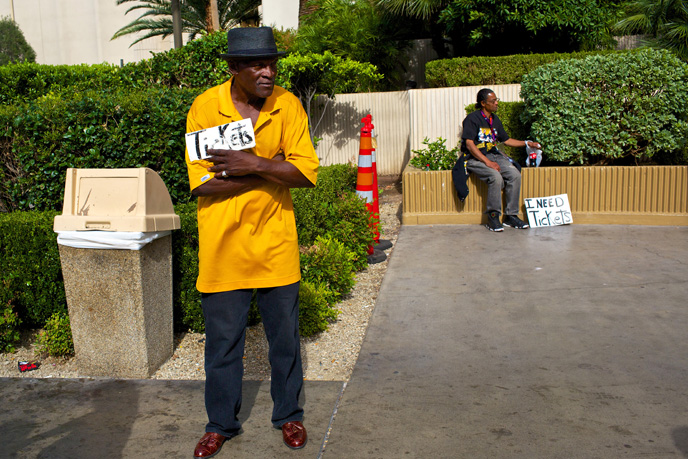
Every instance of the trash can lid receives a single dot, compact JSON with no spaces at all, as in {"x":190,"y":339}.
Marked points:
{"x":116,"y":200}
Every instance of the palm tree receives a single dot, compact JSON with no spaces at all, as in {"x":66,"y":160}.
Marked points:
{"x":156,"y":19}
{"x":664,"y":21}
{"x":422,"y":9}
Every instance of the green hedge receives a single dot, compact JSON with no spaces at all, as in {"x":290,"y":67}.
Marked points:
{"x":491,"y":70}
{"x":9,"y":322}
{"x":332,"y":209}
{"x":196,"y":65}
{"x":30,"y":271}
{"x":329,"y":263}
{"x":315,"y":309}
{"x":24,"y":82}
{"x":40,"y":139}
{"x":56,"y":338}
{"x":621,"y":108}
{"x":33,"y":289}
{"x":187,"y":300}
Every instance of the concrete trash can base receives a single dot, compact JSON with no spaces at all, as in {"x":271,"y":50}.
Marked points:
{"x":119,"y":299}
{"x":120,"y":308}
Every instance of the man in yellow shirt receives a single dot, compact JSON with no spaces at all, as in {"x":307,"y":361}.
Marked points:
{"x":247,"y":235}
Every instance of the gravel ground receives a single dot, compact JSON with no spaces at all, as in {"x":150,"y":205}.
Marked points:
{"x":328,"y":356}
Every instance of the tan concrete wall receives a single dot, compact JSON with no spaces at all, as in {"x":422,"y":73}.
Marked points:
{"x":634,"y":195}
{"x":281,"y":14}
{"x":79,"y":31}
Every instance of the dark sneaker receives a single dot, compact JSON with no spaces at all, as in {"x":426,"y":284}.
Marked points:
{"x":493,"y":222}
{"x":514,"y":222}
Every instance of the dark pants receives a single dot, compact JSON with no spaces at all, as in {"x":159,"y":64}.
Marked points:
{"x":226,"y":316}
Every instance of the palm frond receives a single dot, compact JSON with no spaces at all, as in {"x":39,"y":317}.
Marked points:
{"x":157,"y":16}
{"x":156,"y":28}
{"x":415,"y":8}
{"x":638,"y":23}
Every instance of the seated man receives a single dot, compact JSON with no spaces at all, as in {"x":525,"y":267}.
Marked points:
{"x":482,"y":131}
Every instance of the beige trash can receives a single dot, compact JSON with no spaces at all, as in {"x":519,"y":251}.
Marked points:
{"x":115,"y":245}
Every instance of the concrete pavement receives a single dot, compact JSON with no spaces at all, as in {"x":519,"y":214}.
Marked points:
{"x":564,"y":342}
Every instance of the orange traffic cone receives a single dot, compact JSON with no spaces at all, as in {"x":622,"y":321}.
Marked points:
{"x":380,"y":244}
{"x":365,"y":183}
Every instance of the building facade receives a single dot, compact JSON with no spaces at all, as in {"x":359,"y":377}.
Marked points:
{"x":80,"y":31}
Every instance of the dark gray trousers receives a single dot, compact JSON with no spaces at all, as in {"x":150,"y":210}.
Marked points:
{"x":226,"y":316}
{"x":509,"y":180}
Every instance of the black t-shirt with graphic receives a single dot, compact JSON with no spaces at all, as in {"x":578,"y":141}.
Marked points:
{"x":477,"y":128}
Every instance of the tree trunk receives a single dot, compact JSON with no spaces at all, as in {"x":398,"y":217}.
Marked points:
{"x":212,"y":18}
{"x":304,"y":10}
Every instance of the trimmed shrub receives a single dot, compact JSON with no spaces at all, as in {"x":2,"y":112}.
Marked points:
{"x":491,"y":70}
{"x":56,"y":338}
{"x":188,"y":314}
{"x":616,"y":108}
{"x":310,"y":74}
{"x":315,"y":312}
{"x":333,"y":209}
{"x":195,"y":65}
{"x":41,"y":139}
{"x":25,"y":82}
{"x":328,"y":262}
{"x":9,"y":323}
{"x":30,"y":270}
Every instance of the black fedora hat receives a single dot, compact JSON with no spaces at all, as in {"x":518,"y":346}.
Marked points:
{"x":251,"y":43}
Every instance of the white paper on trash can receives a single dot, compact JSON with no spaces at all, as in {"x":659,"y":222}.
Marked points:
{"x":237,"y":135}
{"x":128,"y":240}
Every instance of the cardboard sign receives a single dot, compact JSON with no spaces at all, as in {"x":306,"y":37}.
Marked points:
{"x":238,"y":135}
{"x":549,"y":211}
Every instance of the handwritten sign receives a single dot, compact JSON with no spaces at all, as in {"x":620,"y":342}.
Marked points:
{"x":238,"y":135}
{"x":549,"y":211}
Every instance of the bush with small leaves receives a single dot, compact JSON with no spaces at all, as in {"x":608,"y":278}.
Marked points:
{"x":30,"y":270}
{"x":616,"y":108}
{"x":333,"y":209}
{"x":315,"y":311}
{"x":9,"y":326}
{"x":328,"y":262}
{"x":435,"y":157}
{"x":56,"y":338}
{"x":13,"y":44}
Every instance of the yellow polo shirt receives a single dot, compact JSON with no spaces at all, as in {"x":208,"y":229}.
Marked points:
{"x":250,"y":240}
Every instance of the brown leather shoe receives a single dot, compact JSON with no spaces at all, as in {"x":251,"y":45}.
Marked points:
{"x":209,"y":445}
{"x":294,"y":435}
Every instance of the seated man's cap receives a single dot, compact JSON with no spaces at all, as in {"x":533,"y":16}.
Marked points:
{"x":251,"y":42}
